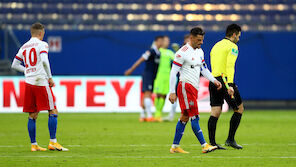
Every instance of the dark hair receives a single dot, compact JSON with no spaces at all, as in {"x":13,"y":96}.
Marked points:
{"x":158,"y":37}
{"x":197,"y":31}
{"x":232,"y":28}
{"x":36,"y":26}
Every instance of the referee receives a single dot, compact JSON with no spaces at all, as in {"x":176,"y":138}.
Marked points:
{"x":223,"y":58}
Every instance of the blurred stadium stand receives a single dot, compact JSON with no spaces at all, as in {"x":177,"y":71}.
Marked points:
{"x":155,"y":15}
{"x":103,"y":37}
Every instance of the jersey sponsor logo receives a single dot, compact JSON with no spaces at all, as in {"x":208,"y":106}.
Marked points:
{"x":192,"y":58}
{"x":192,"y":66}
{"x":178,"y":56}
{"x":234,"y":52}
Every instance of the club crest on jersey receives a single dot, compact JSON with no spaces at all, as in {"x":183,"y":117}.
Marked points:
{"x":192,"y":58}
{"x":191,"y":103}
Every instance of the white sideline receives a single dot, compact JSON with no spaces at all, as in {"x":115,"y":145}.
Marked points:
{"x":149,"y":157}
{"x":150,"y":145}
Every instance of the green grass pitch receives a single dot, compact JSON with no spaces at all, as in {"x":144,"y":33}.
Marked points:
{"x":268,"y":138}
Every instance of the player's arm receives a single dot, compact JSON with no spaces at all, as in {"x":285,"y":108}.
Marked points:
{"x":177,"y":65}
{"x":143,"y":58}
{"x":173,"y":79}
{"x":46,"y":65}
{"x":207,"y":74}
{"x":17,"y":65}
{"x":17,"y":62}
{"x":230,"y":64}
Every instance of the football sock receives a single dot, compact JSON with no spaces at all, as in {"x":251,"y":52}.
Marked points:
{"x":32,"y":129}
{"x":148,"y":103}
{"x":53,"y":140}
{"x":212,"y":124}
{"x":196,"y":129}
{"x":52,"y":125}
{"x":142,"y":114}
{"x":179,"y":132}
{"x":234,"y":122}
{"x":173,"y":110}
{"x":159,"y":103}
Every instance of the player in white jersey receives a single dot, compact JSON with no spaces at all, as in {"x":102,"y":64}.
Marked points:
{"x":189,"y":61}
{"x":38,"y":93}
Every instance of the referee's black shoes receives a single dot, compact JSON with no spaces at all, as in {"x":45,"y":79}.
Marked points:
{"x":233,"y":144}
{"x":219,"y":147}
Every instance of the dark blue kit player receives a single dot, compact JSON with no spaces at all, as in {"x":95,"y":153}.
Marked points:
{"x":151,"y":57}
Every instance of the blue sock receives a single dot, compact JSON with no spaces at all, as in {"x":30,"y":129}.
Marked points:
{"x":196,"y":129}
{"x":179,"y":132}
{"x":32,"y":129}
{"x":52,"y":125}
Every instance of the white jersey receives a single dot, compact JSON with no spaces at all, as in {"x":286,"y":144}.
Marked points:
{"x":30,"y":53}
{"x":190,"y":60}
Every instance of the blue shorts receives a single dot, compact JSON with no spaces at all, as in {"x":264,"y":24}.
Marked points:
{"x":147,"y":82}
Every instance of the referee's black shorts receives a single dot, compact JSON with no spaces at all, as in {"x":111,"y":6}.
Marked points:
{"x":217,"y":96}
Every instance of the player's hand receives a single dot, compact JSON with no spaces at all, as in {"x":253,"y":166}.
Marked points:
{"x":218,"y":84}
{"x":230,"y":91}
{"x":173,"y":98}
{"x":128,"y":72}
{"x":51,"y":83}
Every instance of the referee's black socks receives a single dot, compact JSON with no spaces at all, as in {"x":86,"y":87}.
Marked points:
{"x":234,"y":122}
{"x":212,"y":123}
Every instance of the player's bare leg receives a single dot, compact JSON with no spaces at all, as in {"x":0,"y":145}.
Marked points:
{"x":32,"y":132}
{"x":52,"y":127}
{"x":212,"y":124}
{"x":147,"y":102}
{"x":184,"y":118}
{"x":159,"y":103}
{"x":234,"y":123}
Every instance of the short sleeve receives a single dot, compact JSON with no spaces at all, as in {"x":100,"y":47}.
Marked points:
{"x":44,"y":48}
{"x":179,"y":59}
{"x":19,"y":56}
{"x":146,"y":55}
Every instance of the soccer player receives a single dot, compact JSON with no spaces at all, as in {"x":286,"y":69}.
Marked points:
{"x":162,"y":80}
{"x":189,"y":61}
{"x":38,"y":93}
{"x":174,"y":106}
{"x":223,"y":58}
{"x":151,"y":57}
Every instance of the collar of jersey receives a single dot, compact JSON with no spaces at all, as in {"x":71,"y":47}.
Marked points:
{"x":155,"y":49}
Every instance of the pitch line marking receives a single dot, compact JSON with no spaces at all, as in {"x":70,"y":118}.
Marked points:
{"x":145,"y":145}
{"x":152,"y":157}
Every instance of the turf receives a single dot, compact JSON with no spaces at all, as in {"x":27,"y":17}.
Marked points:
{"x":114,"y":139}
